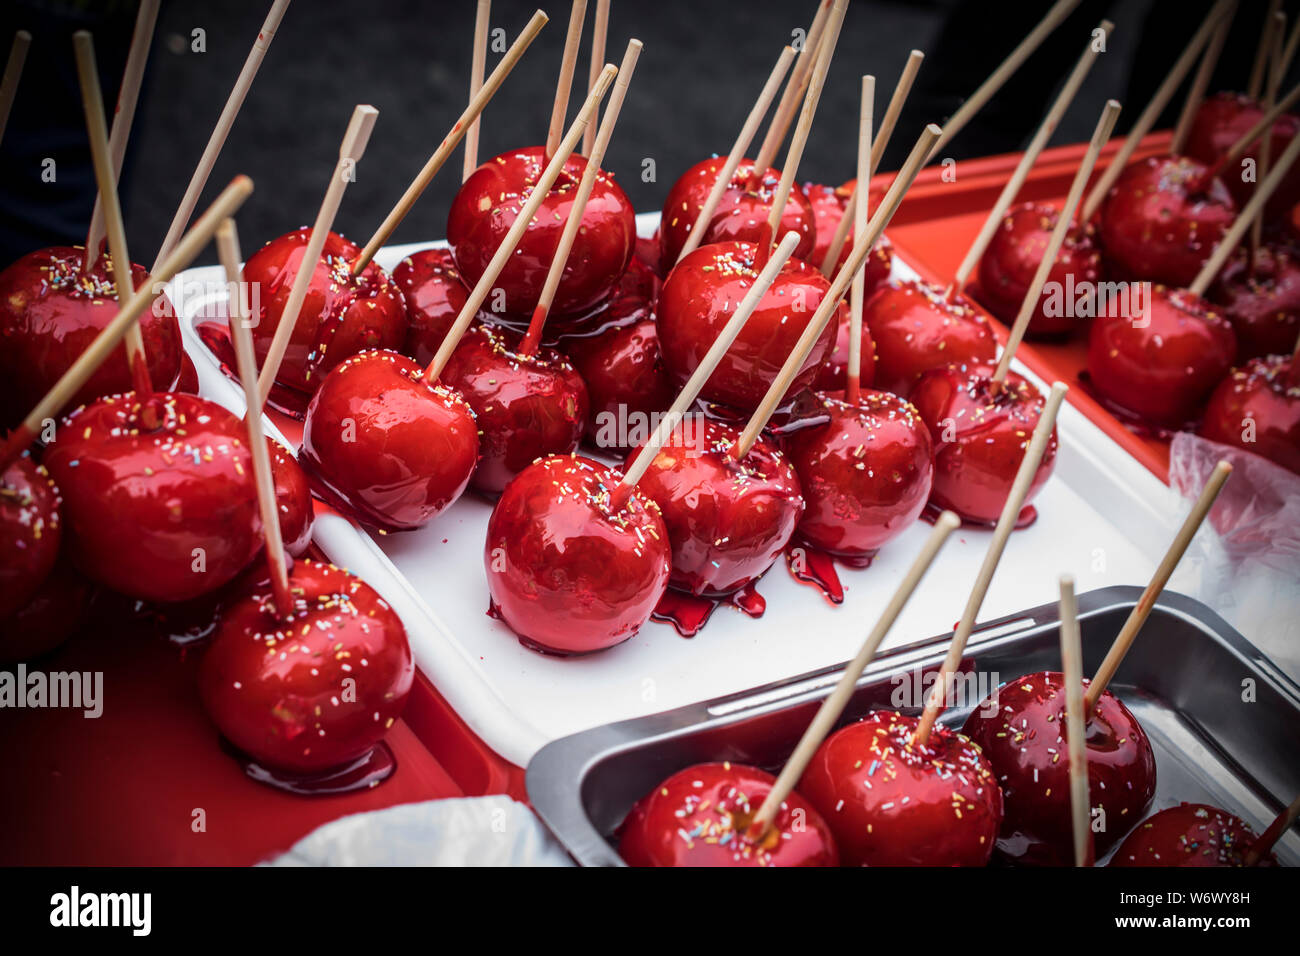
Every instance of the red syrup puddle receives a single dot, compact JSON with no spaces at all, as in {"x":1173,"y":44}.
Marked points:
{"x":216,"y":336}
{"x":688,"y":613}
{"x":809,"y":565}
{"x":364,"y":773}
{"x":1130,"y":420}
{"x":1028,"y":515}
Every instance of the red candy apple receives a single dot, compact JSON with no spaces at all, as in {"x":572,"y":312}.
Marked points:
{"x":435,"y":294}
{"x":980,"y":438}
{"x":293,"y":499}
{"x":893,"y":802}
{"x":164,"y":511}
{"x":1223,"y":119}
{"x":1190,"y":834}
{"x":55,"y":611}
{"x":488,"y":204}
{"x":381,"y":443}
{"x":567,"y":574}
{"x":315,"y":691}
{"x":1263,"y":302}
{"x":1021,"y":729}
{"x":30,"y":532}
{"x":341,"y":315}
{"x":1257,"y":408}
{"x":699,"y":817}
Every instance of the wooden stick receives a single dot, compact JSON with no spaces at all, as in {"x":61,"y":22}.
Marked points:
{"x":560,"y":108}
{"x":833,"y":706}
{"x":1266,"y":143}
{"x":691,"y":390}
{"x":579,"y":204}
{"x":738,"y":149}
{"x":1281,"y":823}
{"x":449,"y":142}
{"x":92,"y":101}
{"x":1006,"y":524}
{"x":1142,"y":610}
{"x":522,"y":221}
{"x":794,"y":92}
{"x":128,"y":94}
{"x":13,"y":71}
{"x":1252,"y":213}
{"x":219,"y":132}
{"x":1263,"y":53}
{"x":839,"y":286}
{"x":1036,"y":145}
{"x":1159,"y":101}
{"x":1055,"y":17}
{"x":901,"y":89}
{"x":482,"y":20}
{"x":857,"y":290}
{"x":351,"y":148}
{"x":1201,"y":83}
{"x":599,"y":28}
{"x":1100,"y":135}
{"x":1076,"y":742}
{"x":800,"y":139}
{"x":80,"y":371}
{"x":1288,"y":51}
{"x":246,"y":362}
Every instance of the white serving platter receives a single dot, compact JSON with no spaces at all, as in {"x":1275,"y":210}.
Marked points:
{"x":1103,"y":518}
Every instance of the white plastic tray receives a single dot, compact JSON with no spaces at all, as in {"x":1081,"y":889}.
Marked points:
{"x":1103,"y":518}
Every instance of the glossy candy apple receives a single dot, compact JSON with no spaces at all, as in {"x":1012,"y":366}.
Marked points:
{"x":1162,"y":219}
{"x":293,"y":499}
{"x":50,"y":312}
{"x":384,"y":445}
{"x":526,"y":406}
{"x":893,"y":802}
{"x":1161,"y":367}
{"x":1022,"y":731}
{"x":566,"y":574}
{"x":55,"y":612}
{"x":741,"y":214}
{"x":435,"y":294}
{"x":1257,"y":408}
{"x":728,"y":521}
{"x":865,"y":473}
{"x":1263,"y":304}
{"x":488,"y":204}
{"x":828,"y":205}
{"x":317,"y":690}
{"x":1190,"y":834}
{"x":341,"y":315}
{"x":1223,"y":119}
{"x":159,"y":501}
{"x":30,"y":532}
{"x":915,"y":330}
{"x":700,"y":816}
{"x":1012,"y":258}
{"x":700,"y":296}
{"x":980,"y":438}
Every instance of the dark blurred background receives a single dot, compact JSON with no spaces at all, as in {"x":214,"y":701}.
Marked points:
{"x":703,"y":64}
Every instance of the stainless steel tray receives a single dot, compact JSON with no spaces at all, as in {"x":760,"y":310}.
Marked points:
{"x":1186,"y":680}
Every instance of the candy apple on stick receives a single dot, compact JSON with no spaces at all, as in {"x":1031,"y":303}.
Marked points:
{"x":1196,"y":834}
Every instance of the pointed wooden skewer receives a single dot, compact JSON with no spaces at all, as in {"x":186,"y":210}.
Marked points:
{"x":1064,"y":221}
{"x":525,"y":217}
{"x":128,"y":94}
{"x":1252,"y":213}
{"x":225,"y":121}
{"x":839,"y":286}
{"x":1142,"y":610}
{"x":1036,"y":145}
{"x":901,"y":89}
{"x":738,"y":149}
{"x":858,"y":288}
{"x":1281,"y":823}
{"x":1263,"y":53}
{"x":794,"y":92}
{"x":79,"y":372}
{"x":350,"y":150}
{"x":1006,"y":524}
{"x":691,"y":390}
{"x":578,"y":206}
{"x":1182,"y":66}
{"x":560,"y":108}
{"x":449,"y":142}
{"x":599,"y":29}
{"x":800,"y":139}
{"x":92,"y":101}
{"x":246,"y":363}
{"x":1201,"y":83}
{"x":482,"y":20}
{"x":1075,"y":740}
{"x":13,"y":71}
{"x":833,"y":706}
